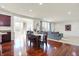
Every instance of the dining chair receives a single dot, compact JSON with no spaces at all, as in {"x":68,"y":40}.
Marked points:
{"x":44,"y":40}
{"x":31,"y":38}
{"x":37,"y":41}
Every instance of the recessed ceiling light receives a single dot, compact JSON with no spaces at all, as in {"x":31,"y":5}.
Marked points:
{"x":30,"y":10}
{"x":2,"y":6}
{"x":69,"y":12}
{"x":41,"y":4}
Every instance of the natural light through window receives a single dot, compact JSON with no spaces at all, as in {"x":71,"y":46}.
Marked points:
{"x":29,"y":25}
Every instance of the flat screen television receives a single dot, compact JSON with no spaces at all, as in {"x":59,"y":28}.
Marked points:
{"x":5,"y":20}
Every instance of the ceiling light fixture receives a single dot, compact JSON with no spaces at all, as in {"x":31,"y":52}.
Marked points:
{"x":2,"y":6}
{"x":41,"y":4}
{"x":69,"y":12}
{"x":30,"y":10}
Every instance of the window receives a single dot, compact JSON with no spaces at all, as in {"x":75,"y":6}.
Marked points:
{"x":47,"y":26}
{"x":29,"y":25}
{"x":52,"y":27}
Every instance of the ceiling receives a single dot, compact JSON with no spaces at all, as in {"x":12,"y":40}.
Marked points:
{"x":48,"y":11}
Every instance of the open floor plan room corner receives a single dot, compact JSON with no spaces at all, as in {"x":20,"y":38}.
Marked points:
{"x":34,"y":29}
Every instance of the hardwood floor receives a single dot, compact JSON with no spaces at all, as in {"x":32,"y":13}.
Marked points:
{"x":7,"y":49}
{"x":53,"y":49}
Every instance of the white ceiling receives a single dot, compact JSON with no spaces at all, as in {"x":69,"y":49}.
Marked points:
{"x":52,"y":11}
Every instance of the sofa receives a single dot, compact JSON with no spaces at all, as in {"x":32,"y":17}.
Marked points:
{"x":55,"y":35}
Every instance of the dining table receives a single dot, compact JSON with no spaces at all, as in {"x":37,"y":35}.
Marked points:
{"x":38,"y":38}
{"x":41,"y":35}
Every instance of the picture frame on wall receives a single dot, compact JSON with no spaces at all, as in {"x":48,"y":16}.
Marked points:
{"x":68,"y":27}
{"x":5,"y":20}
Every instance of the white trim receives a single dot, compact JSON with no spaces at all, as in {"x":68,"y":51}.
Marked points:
{"x":67,"y":41}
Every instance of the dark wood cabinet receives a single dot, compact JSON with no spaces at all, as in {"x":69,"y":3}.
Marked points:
{"x":6,"y":37}
{"x":5,"y":21}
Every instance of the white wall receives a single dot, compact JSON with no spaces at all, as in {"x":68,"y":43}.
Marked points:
{"x":60,"y":27}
